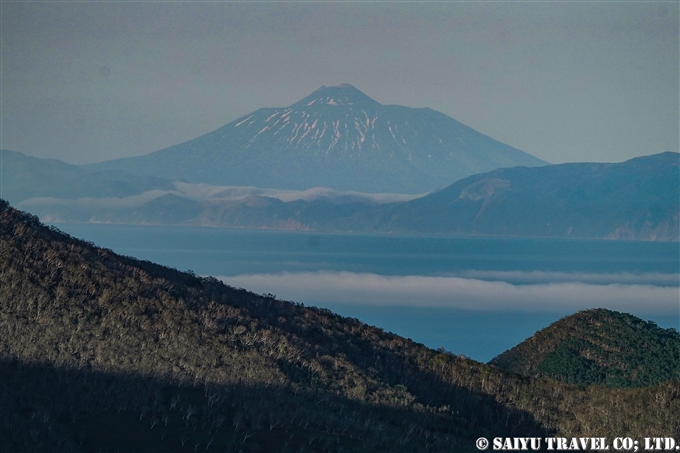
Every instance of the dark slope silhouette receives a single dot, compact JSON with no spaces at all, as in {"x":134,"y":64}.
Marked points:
{"x":104,"y":352}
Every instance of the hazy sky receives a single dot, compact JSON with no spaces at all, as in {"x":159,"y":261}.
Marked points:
{"x":564,"y":81}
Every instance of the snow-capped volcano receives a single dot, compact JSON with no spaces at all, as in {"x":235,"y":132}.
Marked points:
{"x":336,"y":120}
{"x":344,"y":94}
{"x":336,"y":137}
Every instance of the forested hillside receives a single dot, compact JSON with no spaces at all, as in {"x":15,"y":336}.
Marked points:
{"x":101,"y":352}
{"x":598,"y":347}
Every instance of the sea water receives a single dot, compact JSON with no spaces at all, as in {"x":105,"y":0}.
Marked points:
{"x":468,"y":295}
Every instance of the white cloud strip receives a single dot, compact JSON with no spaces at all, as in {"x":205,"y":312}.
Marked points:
{"x":206,"y":192}
{"x":463,"y":293}
{"x":533,"y":277}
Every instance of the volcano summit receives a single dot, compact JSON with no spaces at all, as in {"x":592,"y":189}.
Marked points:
{"x":336,"y":137}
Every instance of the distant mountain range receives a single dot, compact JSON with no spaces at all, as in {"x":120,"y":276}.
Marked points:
{"x":636,"y":199}
{"x":61,"y":192}
{"x":101,"y":352}
{"x":337,"y":137}
{"x":26,"y":177}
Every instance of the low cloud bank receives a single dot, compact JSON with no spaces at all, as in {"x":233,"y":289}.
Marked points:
{"x":232,"y":193}
{"x":462,"y":293}
{"x":533,"y":277}
{"x":206,"y":192}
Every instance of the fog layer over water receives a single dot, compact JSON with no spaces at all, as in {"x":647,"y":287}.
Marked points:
{"x":463,"y":293}
{"x":476,"y":296}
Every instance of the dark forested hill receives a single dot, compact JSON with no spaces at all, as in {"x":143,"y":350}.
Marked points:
{"x":598,"y":347}
{"x":100,"y":352}
{"x":336,"y":137}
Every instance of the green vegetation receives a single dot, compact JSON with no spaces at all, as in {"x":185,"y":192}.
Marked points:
{"x":601,"y":347}
{"x":100,"y":352}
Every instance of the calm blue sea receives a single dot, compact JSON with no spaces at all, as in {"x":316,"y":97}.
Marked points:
{"x":472,"y":296}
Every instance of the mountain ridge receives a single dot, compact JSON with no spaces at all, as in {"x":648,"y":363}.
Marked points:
{"x":635,"y":199}
{"x":33,"y":177}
